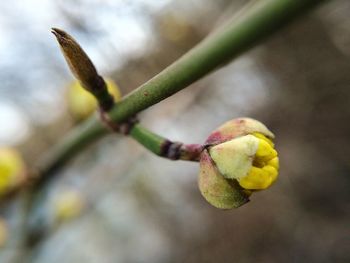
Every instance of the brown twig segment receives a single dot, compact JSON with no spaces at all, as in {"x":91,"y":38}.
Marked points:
{"x":191,"y":152}
{"x":164,"y":147}
{"x":83,"y":69}
{"x":170,"y":150}
{"x":179,"y":151}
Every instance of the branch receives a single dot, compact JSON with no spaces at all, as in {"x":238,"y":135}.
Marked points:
{"x":164,"y":147}
{"x":84,"y":70}
{"x":243,"y":31}
{"x":240,"y":34}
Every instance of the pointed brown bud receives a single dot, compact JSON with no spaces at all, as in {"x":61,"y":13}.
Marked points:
{"x":83,"y":68}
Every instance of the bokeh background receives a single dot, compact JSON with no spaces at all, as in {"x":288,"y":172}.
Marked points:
{"x":141,"y":208}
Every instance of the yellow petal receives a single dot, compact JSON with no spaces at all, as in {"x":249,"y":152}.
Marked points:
{"x":272,"y":171}
{"x":274,"y":163}
{"x":257,"y":179}
{"x":263,"y":137}
{"x":265,"y":151}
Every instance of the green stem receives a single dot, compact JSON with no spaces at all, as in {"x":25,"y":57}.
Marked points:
{"x":243,"y":32}
{"x":148,"y":139}
{"x":164,"y":147}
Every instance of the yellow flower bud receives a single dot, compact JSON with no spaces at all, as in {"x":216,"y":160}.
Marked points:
{"x":82,"y":103}
{"x":12,"y":170}
{"x":68,"y":205}
{"x":242,"y":153}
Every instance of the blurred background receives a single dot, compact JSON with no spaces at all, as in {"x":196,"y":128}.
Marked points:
{"x":131,"y":206}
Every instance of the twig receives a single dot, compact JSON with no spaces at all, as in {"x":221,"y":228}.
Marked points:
{"x":164,"y":147}
{"x":84,"y":70}
{"x":242,"y":32}
{"x":238,"y":35}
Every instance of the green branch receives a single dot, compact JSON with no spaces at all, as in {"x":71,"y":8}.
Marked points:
{"x":148,"y":139}
{"x":243,"y":32}
{"x":164,"y":147}
{"x":84,"y":70}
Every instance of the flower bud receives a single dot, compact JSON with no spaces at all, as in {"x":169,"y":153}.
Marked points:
{"x":12,"y":170}
{"x":240,"y":159}
{"x":82,"y":103}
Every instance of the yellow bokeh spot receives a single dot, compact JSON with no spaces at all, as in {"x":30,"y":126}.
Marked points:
{"x":68,"y":205}
{"x":12,"y":169}
{"x":82,"y":104}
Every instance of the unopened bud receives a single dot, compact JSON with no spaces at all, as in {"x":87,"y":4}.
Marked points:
{"x":242,"y":154}
{"x":83,"y":69}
